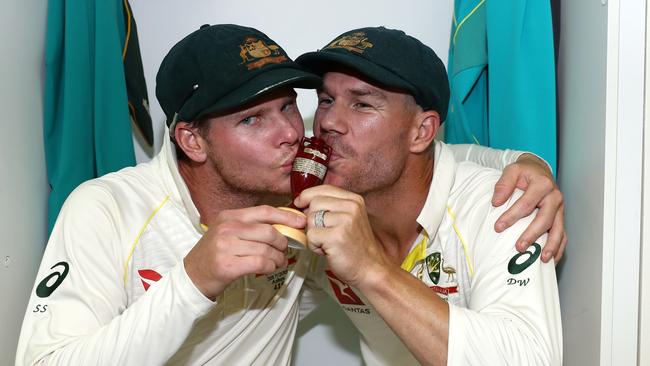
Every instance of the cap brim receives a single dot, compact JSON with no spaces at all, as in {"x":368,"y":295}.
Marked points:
{"x":261,"y":85}
{"x":321,"y":62}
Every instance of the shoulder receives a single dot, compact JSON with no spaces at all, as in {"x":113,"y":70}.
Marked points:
{"x":470,"y":203}
{"x":128,"y":184}
{"x":473,"y":187}
{"x":111,"y":201}
{"x":144,"y":177}
{"x":470,"y":175}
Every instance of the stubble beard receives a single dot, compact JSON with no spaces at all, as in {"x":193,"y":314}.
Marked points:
{"x":237,"y":182}
{"x":372,"y":176}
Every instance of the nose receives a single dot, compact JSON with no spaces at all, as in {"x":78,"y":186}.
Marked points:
{"x":329,"y":121}
{"x":289,"y":132}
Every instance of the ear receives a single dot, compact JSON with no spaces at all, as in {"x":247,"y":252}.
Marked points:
{"x":191,"y":142}
{"x":427,"y":126}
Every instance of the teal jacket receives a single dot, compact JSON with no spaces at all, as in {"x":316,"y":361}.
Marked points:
{"x":502,"y":76}
{"x":87,"y":129}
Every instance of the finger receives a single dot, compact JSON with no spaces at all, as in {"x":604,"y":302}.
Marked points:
{"x":256,"y":265}
{"x":331,"y":219}
{"x":538,"y":191}
{"x":555,"y":237}
{"x":246,"y":248}
{"x":553,"y":244}
{"x":314,"y":240}
{"x":308,"y":195}
{"x":318,"y":251}
{"x":259,"y":233}
{"x":352,"y":205}
{"x":242,"y":257}
{"x":263,"y":214}
{"x":505,"y":186}
{"x":560,"y":253}
{"x":540,"y":225}
{"x":324,"y":241}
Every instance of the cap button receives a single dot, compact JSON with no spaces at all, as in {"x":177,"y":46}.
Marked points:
{"x":204,"y":26}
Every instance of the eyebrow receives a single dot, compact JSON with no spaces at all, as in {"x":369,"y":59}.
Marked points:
{"x":359,"y":92}
{"x":362,"y":92}
{"x":259,"y":109}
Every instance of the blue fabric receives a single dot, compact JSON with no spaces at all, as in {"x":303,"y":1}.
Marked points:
{"x":502,"y":76}
{"x":87,"y":129}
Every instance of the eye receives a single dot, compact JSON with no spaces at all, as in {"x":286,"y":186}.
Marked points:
{"x":249,"y":120}
{"x":362,"y":105}
{"x":325,"y":101}
{"x":289,"y":106}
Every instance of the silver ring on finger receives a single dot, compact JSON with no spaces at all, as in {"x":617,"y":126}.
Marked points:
{"x":319,"y":218}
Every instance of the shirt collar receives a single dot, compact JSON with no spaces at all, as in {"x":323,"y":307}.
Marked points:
{"x":444,"y":171}
{"x":176,"y":184}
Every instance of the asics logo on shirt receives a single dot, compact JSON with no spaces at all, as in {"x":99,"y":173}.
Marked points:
{"x":45,"y":288}
{"x":520,"y":261}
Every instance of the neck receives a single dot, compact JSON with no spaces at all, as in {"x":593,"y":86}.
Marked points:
{"x":393,"y":211}
{"x":210,"y":193}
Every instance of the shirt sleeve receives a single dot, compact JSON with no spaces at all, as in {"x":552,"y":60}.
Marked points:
{"x":484,"y":156}
{"x":513,"y":315}
{"x":77,"y":313}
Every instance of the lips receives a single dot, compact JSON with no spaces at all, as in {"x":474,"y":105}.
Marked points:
{"x":288,"y":161}
{"x":287,"y":166}
{"x":329,"y":139}
{"x":340,"y":151}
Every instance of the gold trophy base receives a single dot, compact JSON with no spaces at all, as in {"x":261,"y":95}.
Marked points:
{"x":297,"y":238}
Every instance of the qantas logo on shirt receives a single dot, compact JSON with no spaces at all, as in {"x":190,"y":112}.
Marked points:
{"x":343,"y":291}
{"x":148,"y":276}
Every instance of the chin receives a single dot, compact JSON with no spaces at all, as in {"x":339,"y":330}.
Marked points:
{"x":281,"y":190}
{"x":285,"y":191}
{"x":272,"y":187}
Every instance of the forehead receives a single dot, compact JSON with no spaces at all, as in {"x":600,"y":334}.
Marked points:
{"x":354,"y":84}
{"x":345,"y":80}
{"x":266,"y":101}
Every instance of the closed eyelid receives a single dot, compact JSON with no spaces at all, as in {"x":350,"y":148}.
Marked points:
{"x":368,"y":94}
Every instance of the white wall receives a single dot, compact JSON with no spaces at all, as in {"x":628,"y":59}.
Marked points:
{"x":23,"y":190}
{"x":581,"y":171}
{"x":601,"y":110}
{"x":623,"y":180}
{"x":326,"y":337}
{"x":644,"y":303}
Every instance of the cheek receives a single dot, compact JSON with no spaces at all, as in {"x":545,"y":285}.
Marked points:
{"x":318,"y":117}
{"x":378,"y":153}
{"x":239,"y":150}
{"x":298,"y":124}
